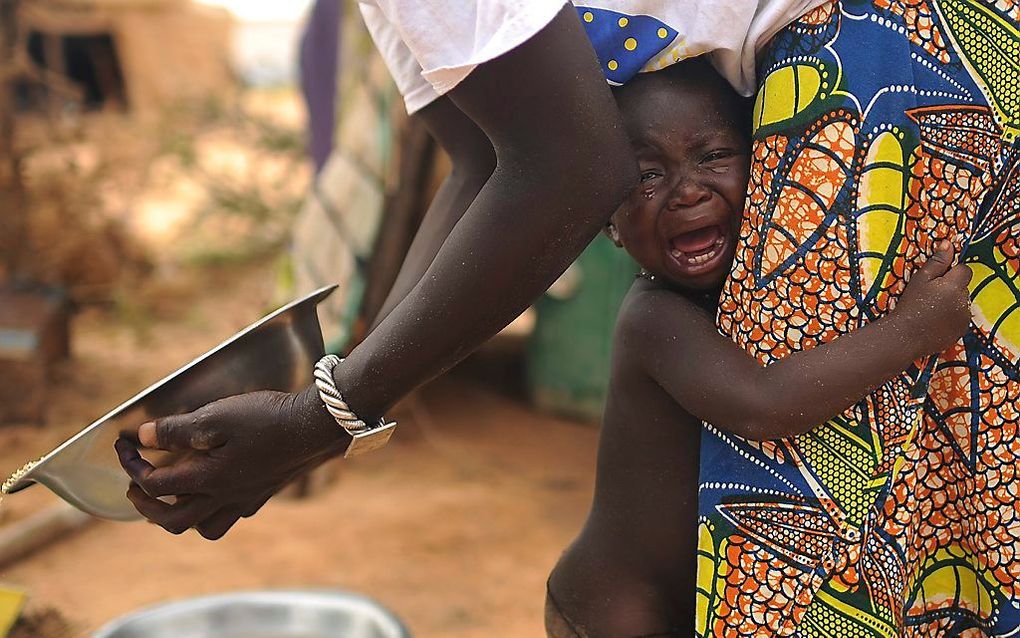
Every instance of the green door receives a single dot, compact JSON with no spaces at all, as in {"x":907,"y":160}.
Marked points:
{"x":569,"y":352}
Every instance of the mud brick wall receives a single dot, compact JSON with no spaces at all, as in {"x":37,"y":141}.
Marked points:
{"x":33,"y":335}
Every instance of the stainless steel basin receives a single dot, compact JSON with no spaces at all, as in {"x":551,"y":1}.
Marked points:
{"x":265,"y":614}
{"x":275,"y":353}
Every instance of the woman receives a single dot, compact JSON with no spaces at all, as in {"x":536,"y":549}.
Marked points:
{"x":882,"y":128}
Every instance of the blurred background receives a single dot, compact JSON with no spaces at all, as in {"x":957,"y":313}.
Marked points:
{"x":169,"y":172}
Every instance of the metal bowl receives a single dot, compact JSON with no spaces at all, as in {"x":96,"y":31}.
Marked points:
{"x":264,"y":614}
{"x":276,"y":353}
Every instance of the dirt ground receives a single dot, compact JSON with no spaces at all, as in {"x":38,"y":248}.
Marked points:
{"x":454,"y":526}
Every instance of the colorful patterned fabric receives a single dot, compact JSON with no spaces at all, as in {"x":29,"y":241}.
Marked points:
{"x":881,"y":128}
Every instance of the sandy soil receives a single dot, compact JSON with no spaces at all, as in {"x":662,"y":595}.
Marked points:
{"x":454,"y":527}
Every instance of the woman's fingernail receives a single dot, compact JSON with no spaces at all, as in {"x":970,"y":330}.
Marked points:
{"x":147,"y":434}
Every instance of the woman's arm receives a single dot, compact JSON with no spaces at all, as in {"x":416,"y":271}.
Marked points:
{"x":563,"y":165}
{"x":473,"y":160}
{"x":716,"y":381}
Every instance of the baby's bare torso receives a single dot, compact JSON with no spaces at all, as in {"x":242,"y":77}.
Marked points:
{"x":631,"y":570}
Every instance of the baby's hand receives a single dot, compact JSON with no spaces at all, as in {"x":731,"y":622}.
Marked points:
{"x":936,"y":302}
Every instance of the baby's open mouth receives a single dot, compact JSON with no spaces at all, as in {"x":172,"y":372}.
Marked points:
{"x":698,"y":246}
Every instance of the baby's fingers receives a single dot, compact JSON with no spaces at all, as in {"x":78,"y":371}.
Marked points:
{"x":959,"y":275}
{"x":936,"y":266}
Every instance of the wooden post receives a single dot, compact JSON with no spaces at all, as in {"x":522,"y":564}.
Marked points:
{"x":24,"y":537}
{"x":53,"y":54}
{"x":13,"y":221}
{"x":33,"y":323}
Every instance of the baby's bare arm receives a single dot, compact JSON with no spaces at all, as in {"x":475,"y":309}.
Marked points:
{"x":678,"y":346}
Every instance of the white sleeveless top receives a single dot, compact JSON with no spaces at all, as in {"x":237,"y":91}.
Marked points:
{"x":431,"y":45}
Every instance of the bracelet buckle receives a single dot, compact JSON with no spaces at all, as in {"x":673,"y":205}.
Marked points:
{"x":370,"y":440}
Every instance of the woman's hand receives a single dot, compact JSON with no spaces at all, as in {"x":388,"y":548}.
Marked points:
{"x":936,"y":302}
{"x":232,"y":456}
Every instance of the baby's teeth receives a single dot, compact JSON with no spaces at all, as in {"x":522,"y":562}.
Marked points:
{"x":701,"y":259}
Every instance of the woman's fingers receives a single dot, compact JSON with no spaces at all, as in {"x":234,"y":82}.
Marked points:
{"x":197,"y":430}
{"x":175,"y":518}
{"x":253,"y":509}
{"x":182,"y":477}
{"x":132,"y":461}
{"x":214,"y":527}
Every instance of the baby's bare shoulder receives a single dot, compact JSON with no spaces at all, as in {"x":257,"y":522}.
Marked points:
{"x":652,"y":315}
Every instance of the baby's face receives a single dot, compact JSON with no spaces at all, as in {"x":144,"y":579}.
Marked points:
{"x":681,"y":221}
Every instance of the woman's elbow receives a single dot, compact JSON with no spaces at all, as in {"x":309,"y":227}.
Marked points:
{"x":772,"y":432}
{"x":772,"y":426}
{"x":472,"y":164}
{"x":750,"y":430}
{"x":598,"y":174}
{"x":612,"y":172}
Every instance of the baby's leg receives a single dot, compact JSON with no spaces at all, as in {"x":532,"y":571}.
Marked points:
{"x":591,"y":598}
{"x":556,"y":624}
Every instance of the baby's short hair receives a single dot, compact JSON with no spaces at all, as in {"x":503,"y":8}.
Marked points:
{"x":689,"y":74}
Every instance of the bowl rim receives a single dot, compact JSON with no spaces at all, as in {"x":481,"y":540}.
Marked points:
{"x":193,"y":604}
{"x":316,"y":296}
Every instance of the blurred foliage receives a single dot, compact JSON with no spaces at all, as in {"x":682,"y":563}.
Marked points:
{"x":278,"y":139}
{"x":120,"y":205}
{"x":248,"y":203}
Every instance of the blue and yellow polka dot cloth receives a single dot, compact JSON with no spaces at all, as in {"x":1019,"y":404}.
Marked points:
{"x":627,"y":44}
